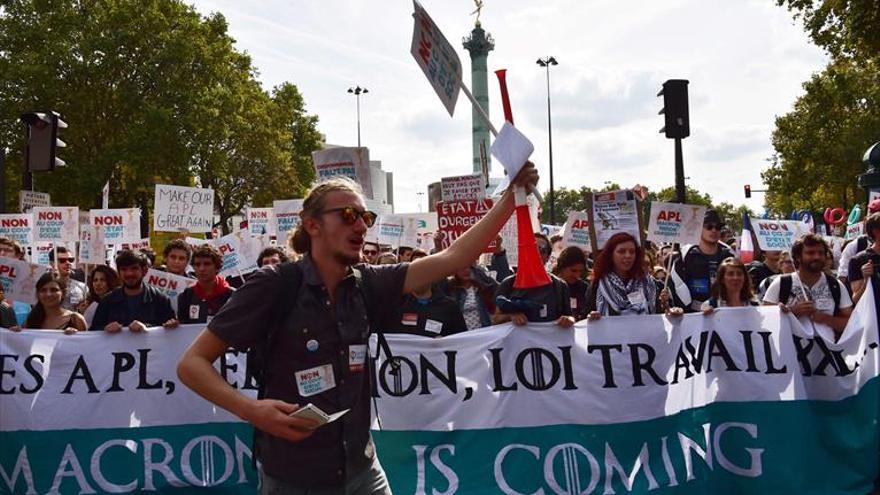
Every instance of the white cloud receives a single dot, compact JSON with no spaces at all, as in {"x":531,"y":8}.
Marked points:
{"x":745,"y":61}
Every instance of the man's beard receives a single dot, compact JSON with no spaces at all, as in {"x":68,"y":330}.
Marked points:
{"x":814,"y":266}
{"x":346,"y":259}
{"x":134,"y":285}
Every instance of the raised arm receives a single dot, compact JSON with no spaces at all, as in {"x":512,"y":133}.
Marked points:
{"x":468,"y":247}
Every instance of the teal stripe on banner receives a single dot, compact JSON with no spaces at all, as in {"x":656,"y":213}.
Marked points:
{"x":197,"y":458}
{"x":803,"y":447}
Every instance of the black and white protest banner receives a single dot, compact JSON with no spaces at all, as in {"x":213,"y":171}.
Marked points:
{"x":27,"y":200}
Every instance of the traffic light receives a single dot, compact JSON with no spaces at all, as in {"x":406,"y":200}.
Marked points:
{"x":675,"y":109}
{"x":748,"y":190}
{"x":42,"y":140}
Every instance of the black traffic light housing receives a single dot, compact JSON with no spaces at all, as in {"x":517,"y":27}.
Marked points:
{"x":675,"y":109}
{"x":42,"y":140}
{"x":748,"y":190}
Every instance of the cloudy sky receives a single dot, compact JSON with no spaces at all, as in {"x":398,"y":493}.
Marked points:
{"x":745,"y":59}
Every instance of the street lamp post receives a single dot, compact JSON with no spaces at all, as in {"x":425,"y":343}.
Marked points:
{"x":546,"y":63}
{"x":356,"y":91}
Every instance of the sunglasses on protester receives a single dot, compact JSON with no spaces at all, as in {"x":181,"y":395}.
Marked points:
{"x":350,"y":215}
{"x":370,"y":252}
{"x":66,"y":260}
{"x":712,"y":226}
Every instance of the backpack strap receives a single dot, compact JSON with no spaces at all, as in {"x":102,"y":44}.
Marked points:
{"x":784,"y":287}
{"x":259,"y":357}
{"x":834,"y":287}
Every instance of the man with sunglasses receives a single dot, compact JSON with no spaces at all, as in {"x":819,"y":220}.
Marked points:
{"x":694,"y":274}
{"x":314,"y":318}
{"x":77,"y":292}
{"x":371,"y":252}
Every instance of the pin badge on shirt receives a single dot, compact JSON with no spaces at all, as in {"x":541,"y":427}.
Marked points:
{"x":194,"y":311}
{"x":312,"y":345}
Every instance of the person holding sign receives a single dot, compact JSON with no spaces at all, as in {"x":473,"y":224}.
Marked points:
{"x":134,"y":305}
{"x":732,"y":287}
{"x":619,"y":284}
{"x":199,"y":303}
{"x":48,"y":313}
{"x":310,"y":321}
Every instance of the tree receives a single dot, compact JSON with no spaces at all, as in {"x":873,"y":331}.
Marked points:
{"x":153,"y":93}
{"x":820,"y":143}
{"x":568,"y":200}
{"x":843,"y":27}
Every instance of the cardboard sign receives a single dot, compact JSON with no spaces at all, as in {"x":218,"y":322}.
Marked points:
{"x":40,"y":253}
{"x":183,"y":209}
{"x":239,"y":251}
{"x":456,"y":217}
{"x":777,"y":235}
{"x":19,"y":279}
{"x":118,"y":225}
{"x":462,"y":187}
{"x":18,"y":226}
{"x":436,"y":57}
{"x":135,"y":245}
{"x":168,"y":283}
{"x":27,"y":200}
{"x":390,"y":230}
{"x":92,"y":245}
{"x":418,"y":230}
{"x":261,"y":221}
{"x":551,"y":230}
{"x":576,"y":231}
{"x":674,"y":222}
{"x":855,"y":230}
{"x":353,"y":163}
{"x":286,"y":213}
{"x":613,"y":212}
{"x":56,"y":224}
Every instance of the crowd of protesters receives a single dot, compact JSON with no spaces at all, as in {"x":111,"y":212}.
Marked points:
{"x":628,"y":277}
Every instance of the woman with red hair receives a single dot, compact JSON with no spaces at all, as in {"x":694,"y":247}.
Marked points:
{"x":620,"y":285}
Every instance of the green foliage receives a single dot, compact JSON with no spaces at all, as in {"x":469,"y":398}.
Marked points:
{"x":153,"y":93}
{"x":843,"y":27}
{"x":820,"y":143}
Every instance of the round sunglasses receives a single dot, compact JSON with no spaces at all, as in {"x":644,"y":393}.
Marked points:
{"x":350,"y":215}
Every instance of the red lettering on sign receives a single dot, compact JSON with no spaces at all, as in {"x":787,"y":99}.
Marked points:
{"x":49,"y":215}
{"x":669,"y":216}
{"x":162,"y":282}
{"x":7,"y":269}
{"x":226,"y":248}
{"x":108,"y":220}
{"x":14,"y":222}
{"x":580,"y":224}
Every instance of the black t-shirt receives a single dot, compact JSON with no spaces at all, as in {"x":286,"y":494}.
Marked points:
{"x":698,"y":271}
{"x":758,"y":272}
{"x":855,"y":264}
{"x":549,"y":302}
{"x":438,"y":316}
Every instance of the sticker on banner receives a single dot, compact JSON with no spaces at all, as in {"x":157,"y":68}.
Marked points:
{"x":433,"y":326}
{"x":315,"y":380}
{"x":357,"y":356}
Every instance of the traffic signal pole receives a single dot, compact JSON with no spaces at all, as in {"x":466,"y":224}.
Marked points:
{"x":680,"y":190}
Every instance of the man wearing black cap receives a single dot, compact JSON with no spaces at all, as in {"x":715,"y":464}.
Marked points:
{"x":694,"y":275}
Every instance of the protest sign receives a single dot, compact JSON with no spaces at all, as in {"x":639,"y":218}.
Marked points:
{"x":855,"y":230}
{"x":462,"y":187}
{"x":56,"y":224}
{"x":27,"y":200}
{"x":261,"y":221}
{"x":168,"y":283}
{"x":551,"y":230}
{"x":239,"y":251}
{"x":613,"y":212}
{"x":40,"y":253}
{"x":390,"y":229}
{"x":714,"y":404}
{"x":777,"y":235}
{"x":118,"y":225}
{"x":577,"y":231}
{"x":454,"y":218}
{"x":436,"y":57}
{"x":183,"y":209}
{"x":674,"y":222}
{"x":92,"y":245}
{"x":138,"y":244}
{"x":418,"y":230}
{"x":353,"y":163}
{"x":286,"y":213}
{"x":19,"y":279}
{"x":18,"y":226}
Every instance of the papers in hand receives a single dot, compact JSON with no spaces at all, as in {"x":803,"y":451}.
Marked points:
{"x":314,"y":413}
{"x":512,"y":148}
